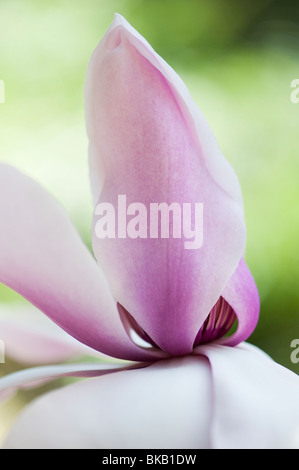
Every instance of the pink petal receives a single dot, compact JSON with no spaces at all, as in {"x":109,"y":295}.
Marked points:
{"x":242,"y":295}
{"x":157,"y":407}
{"x":239,"y":301}
{"x":218,"y":166}
{"x":32,"y":338}
{"x":43,"y":258}
{"x":255,"y":400}
{"x":149,"y":142}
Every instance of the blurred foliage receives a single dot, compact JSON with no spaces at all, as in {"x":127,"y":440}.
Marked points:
{"x":237,"y":58}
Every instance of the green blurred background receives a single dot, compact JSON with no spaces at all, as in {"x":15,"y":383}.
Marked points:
{"x":238,"y":60}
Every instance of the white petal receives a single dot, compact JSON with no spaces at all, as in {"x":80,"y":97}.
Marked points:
{"x":165,"y":405}
{"x":255,"y":399}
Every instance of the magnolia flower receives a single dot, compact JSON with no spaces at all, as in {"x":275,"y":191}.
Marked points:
{"x":184,"y":381}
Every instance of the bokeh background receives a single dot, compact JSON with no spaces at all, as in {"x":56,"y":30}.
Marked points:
{"x":238,"y":60}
